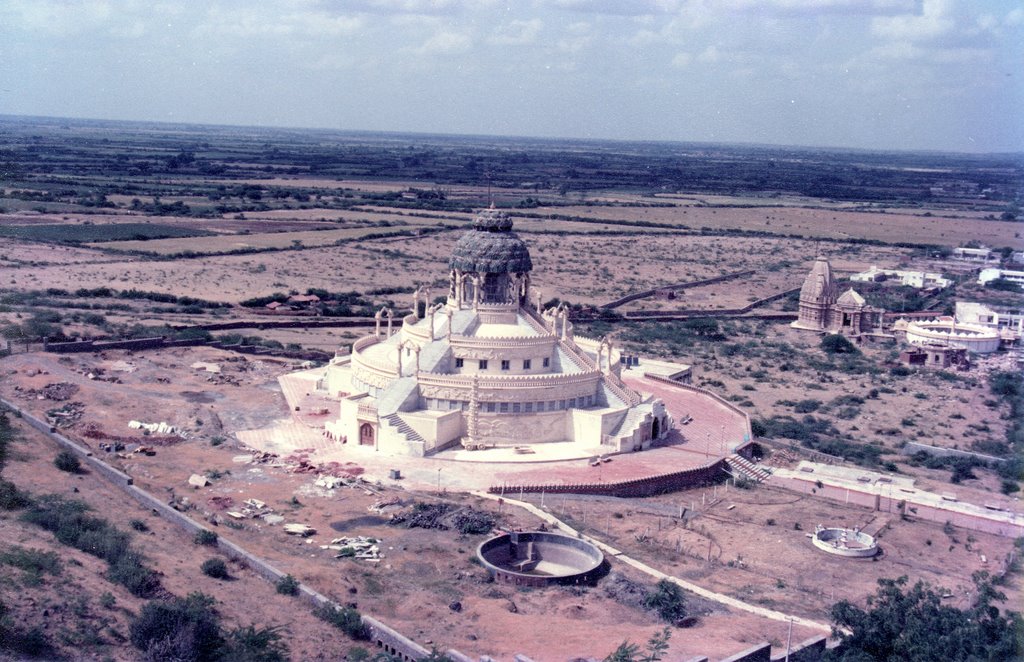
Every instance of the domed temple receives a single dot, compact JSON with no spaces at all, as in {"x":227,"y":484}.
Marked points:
{"x":823,"y":309}
{"x":487,"y":368}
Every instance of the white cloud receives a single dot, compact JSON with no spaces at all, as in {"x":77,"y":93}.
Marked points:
{"x":518,"y":33}
{"x":935,"y":20}
{"x":265,"y":21}
{"x":709,"y":55}
{"x":681,"y":60}
{"x":445,"y":43}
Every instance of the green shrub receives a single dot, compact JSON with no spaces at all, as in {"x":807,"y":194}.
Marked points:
{"x":253,"y":644}
{"x":288,"y":585}
{"x":215,"y":568}
{"x":130,"y":571}
{"x":33,"y":561}
{"x":69,"y":522}
{"x":11,"y":498}
{"x":346,"y":619}
{"x":835,"y":343}
{"x":67,"y":461}
{"x":205,"y":537}
{"x":667,"y":599}
{"x":139,"y":525}
{"x":178,"y":629}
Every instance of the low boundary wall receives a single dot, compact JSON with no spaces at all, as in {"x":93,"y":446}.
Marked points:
{"x":161,"y":342}
{"x":639,"y":487}
{"x":386,"y":638}
{"x":678,"y":286}
{"x":913,"y":447}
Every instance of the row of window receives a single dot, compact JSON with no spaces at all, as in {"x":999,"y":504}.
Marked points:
{"x":513,"y":407}
{"x":506,"y":364}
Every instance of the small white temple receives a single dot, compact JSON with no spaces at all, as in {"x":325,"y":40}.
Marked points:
{"x":487,"y":368}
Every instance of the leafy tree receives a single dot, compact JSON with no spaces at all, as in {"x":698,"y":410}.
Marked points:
{"x":912,"y":625}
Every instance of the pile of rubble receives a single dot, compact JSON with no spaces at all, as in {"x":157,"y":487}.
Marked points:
{"x":58,"y":392}
{"x":359,"y":547}
{"x":444,"y":516}
{"x":66,"y":416}
{"x":95,"y":431}
{"x":251,"y":508}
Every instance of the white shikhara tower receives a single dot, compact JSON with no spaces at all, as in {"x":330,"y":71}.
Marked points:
{"x":487,"y":368}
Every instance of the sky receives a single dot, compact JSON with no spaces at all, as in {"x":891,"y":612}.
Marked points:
{"x":877,"y":74}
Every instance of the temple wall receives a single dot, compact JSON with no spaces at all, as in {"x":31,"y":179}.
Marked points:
{"x":524,"y":429}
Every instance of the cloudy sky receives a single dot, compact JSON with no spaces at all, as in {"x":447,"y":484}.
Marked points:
{"x":881,"y":74}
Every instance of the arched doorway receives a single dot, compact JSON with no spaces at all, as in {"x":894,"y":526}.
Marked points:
{"x":366,"y":434}
{"x":655,"y":428}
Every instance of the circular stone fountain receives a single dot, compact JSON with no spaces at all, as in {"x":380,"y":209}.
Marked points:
{"x":540,"y":558}
{"x":844,"y":542}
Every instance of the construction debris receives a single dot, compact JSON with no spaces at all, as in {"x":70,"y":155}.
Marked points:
{"x":94,"y":431}
{"x":360,"y":547}
{"x":329,"y":482}
{"x":299,"y":530}
{"x":158,"y":428}
{"x":208,"y":367}
{"x":196,"y":480}
{"x":386,"y":505}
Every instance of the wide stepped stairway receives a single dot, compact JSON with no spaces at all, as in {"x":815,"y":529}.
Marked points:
{"x":744,"y":467}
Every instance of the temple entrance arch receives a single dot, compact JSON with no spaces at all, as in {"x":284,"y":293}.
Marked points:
{"x":366,"y":434}
{"x":655,"y":429}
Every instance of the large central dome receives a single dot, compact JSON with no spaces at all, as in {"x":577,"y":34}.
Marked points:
{"x":491,"y":247}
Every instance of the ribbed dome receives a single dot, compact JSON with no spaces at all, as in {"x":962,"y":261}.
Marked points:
{"x":851,"y":298}
{"x":819,"y":286}
{"x":491,"y":247}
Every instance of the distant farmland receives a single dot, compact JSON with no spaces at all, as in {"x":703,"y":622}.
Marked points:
{"x":106,"y":232}
{"x":210,"y":245}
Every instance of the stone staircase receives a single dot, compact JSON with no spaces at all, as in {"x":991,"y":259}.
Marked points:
{"x":741,"y":466}
{"x":634,"y":418}
{"x":401,"y":427}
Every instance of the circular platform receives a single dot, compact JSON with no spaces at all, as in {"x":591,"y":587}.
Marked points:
{"x":540,"y":558}
{"x":844,"y":542}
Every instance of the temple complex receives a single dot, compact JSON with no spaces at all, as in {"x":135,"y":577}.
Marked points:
{"x":487,"y":367}
{"x":824,"y":310}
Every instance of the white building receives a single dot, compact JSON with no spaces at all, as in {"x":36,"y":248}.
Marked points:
{"x":994,"y":317}
{"x":947,"y":332}
{"x":488,"y":368}
{"x":982,"y":254}
{"x":918,"y":279}
{"x":988,"y":275}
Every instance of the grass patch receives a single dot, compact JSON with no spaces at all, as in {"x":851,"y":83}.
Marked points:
{"x":68,"y":520}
